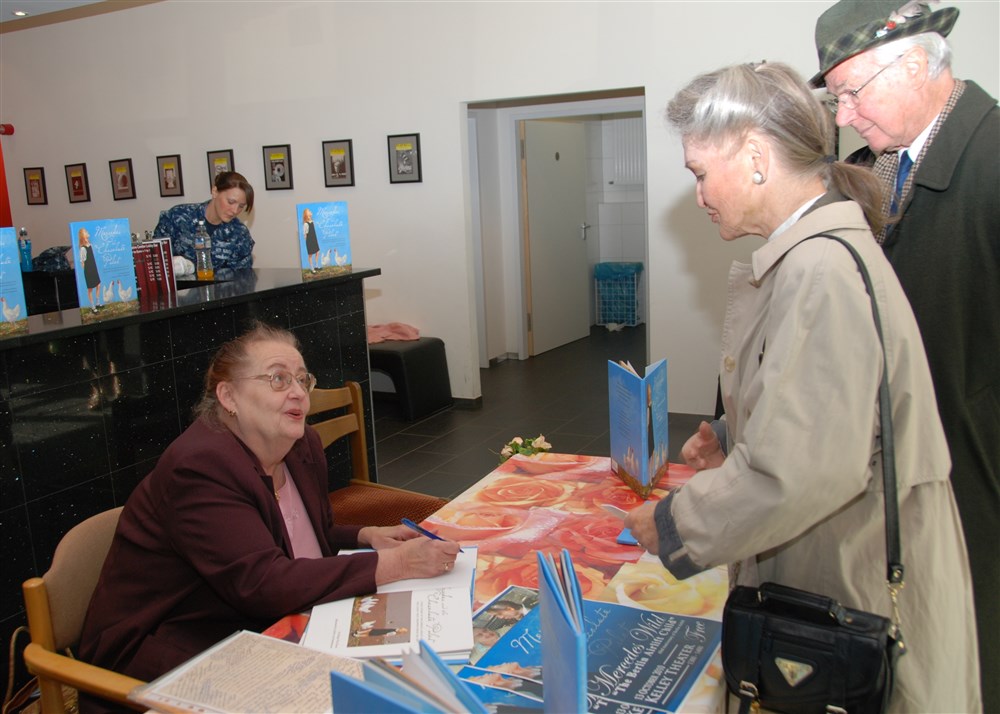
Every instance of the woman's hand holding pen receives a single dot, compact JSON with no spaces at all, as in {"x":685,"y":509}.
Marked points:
{"x":418,"y":557}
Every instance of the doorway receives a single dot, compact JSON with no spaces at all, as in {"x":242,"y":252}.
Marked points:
{"x":554,"y":212}
{"x":495,"y":191}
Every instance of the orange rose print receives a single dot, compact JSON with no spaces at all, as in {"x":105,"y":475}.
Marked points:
{"x":524,"y":491}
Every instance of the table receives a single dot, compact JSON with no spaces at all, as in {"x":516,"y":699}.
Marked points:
{"x":548,"y":502}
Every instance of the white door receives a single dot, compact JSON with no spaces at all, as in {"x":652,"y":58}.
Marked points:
{"x":553,"y":212}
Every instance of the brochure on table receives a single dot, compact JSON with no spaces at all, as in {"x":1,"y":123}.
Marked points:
{"x":247,"y":672}
{"x":324,"y":239}
{"x":14,"y":312}
{"x":638,"y":424}
{"x":104,"y":268}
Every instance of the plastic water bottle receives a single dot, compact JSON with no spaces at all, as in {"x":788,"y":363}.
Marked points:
{"x":203,"y":253}
{"x":24,"y":250}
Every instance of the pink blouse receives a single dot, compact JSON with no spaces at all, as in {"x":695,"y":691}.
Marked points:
{"x":300,"y":531}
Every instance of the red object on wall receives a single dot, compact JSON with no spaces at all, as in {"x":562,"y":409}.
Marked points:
{"x":5,"y":218}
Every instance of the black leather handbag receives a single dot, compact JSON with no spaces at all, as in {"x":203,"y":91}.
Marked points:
{"x":796,"y":652}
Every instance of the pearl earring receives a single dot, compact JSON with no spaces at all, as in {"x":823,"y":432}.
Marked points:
{"x":231,"y":412}
{"x":758,"y":178}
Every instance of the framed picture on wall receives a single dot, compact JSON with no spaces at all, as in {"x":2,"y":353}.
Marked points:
{"x":278,"y":167}
{"x":168,"y":169}
{"x":34,"y":186}
{"x":219,"y":162}
{"x":338,"y":162}
{"x":122,"y":182}
{"x":77,"y":185}
{"x":404,"y":158}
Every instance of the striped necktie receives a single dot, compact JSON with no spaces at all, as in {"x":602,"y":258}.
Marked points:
{"x":905,"y":164}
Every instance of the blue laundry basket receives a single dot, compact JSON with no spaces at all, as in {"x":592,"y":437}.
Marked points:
{"x":616,"y":292}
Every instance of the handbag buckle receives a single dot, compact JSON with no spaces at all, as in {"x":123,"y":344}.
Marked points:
{"x":748,"y":690}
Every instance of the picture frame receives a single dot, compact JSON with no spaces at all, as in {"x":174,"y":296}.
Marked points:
{"x":122,"y":179}
{"x":77,"y":184}
{"x":277,"y":167}
{"x":404,"y":158}
{"x":34,"y":186}
{"x":169,"y":175}
{"x":219,"y":162}
{"x":338,"y":162}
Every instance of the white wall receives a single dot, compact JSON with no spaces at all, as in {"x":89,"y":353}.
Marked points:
{"x":183,"y":77}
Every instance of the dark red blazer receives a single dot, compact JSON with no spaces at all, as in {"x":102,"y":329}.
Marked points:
{"x":201,"y":551}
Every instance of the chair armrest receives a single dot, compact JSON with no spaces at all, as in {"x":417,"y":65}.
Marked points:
{"x":85,"y":677}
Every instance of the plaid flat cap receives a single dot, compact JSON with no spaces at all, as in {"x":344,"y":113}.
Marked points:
{"x":854,"y":26}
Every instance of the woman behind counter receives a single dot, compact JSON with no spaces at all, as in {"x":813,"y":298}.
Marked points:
{"x":232,"y":529}
{"x":232,"y":246}
{"x":795,"y":497}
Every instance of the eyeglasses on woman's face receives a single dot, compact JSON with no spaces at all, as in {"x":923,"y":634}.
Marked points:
{"x":281,"y":380}
{"x":849,"y":97}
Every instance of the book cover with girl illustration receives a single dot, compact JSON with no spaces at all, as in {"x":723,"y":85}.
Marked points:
{"x":105,"y":271}
{"x":13,"y":308}
{"x":324,"y":239}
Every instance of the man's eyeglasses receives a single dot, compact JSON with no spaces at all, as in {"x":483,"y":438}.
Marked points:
{"x":281,"y":381}
{"x":849,"y":97}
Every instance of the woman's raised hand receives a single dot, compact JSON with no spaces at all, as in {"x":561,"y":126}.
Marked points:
{"x":703,"y":450}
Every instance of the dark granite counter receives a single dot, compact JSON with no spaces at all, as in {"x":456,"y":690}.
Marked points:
{"x":86,"y":409}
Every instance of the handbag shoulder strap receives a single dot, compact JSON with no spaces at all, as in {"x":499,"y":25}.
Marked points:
{"x":894,"y":574}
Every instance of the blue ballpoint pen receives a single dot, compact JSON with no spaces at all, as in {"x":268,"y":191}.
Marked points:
{"x":410,"y":524}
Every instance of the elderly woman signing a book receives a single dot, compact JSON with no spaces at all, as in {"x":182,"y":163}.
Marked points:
{"x":232,"y":529}
{"x":793,"y":492}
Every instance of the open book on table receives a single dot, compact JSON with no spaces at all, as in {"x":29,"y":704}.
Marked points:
{"x":394,"y":619}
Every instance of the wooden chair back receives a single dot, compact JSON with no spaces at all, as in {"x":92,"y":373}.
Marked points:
{"x":351,"y":424}
{"x":56,"y":605}
{"x":362,"y":502}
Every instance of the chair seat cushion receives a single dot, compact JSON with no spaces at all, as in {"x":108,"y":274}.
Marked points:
{"x":370,"y":505}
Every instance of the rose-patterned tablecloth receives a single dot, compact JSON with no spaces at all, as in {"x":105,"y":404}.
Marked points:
{"x":551,"y":501}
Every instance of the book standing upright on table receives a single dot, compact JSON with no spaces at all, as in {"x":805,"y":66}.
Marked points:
{"x":638,"y":424}
{"x":570,"y":654}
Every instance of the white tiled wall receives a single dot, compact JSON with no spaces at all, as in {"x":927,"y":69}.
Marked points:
{"x":616,"y":211}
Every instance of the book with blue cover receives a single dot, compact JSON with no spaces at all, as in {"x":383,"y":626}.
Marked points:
{"x":104,"y":267}
{"x":634,"y":660}
{"x":13,"y":307}
{"x":638,"y":424}
{"x":424,"y":684}
{"x":324,"y":239}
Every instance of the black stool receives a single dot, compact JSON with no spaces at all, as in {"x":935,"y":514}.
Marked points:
{"x":419,"y":372}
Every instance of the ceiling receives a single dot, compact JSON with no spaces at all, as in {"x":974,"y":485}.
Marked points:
{"x":35,"y":7}
{"x":48,"y":12}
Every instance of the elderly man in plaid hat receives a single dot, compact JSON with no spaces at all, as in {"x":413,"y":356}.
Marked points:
{"x":935,"y":142}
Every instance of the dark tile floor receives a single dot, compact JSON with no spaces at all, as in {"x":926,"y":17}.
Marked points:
{"x":562,"y":394}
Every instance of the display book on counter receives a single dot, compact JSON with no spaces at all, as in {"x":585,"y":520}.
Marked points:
{"x":637,"y":408}
{"x":104,"y":268}
{"x":571,"y":654}
{"x":13,"y":306}
{"x":324,"y":239}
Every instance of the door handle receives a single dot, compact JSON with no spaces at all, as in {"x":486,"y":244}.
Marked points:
{"x":583,"y":230}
